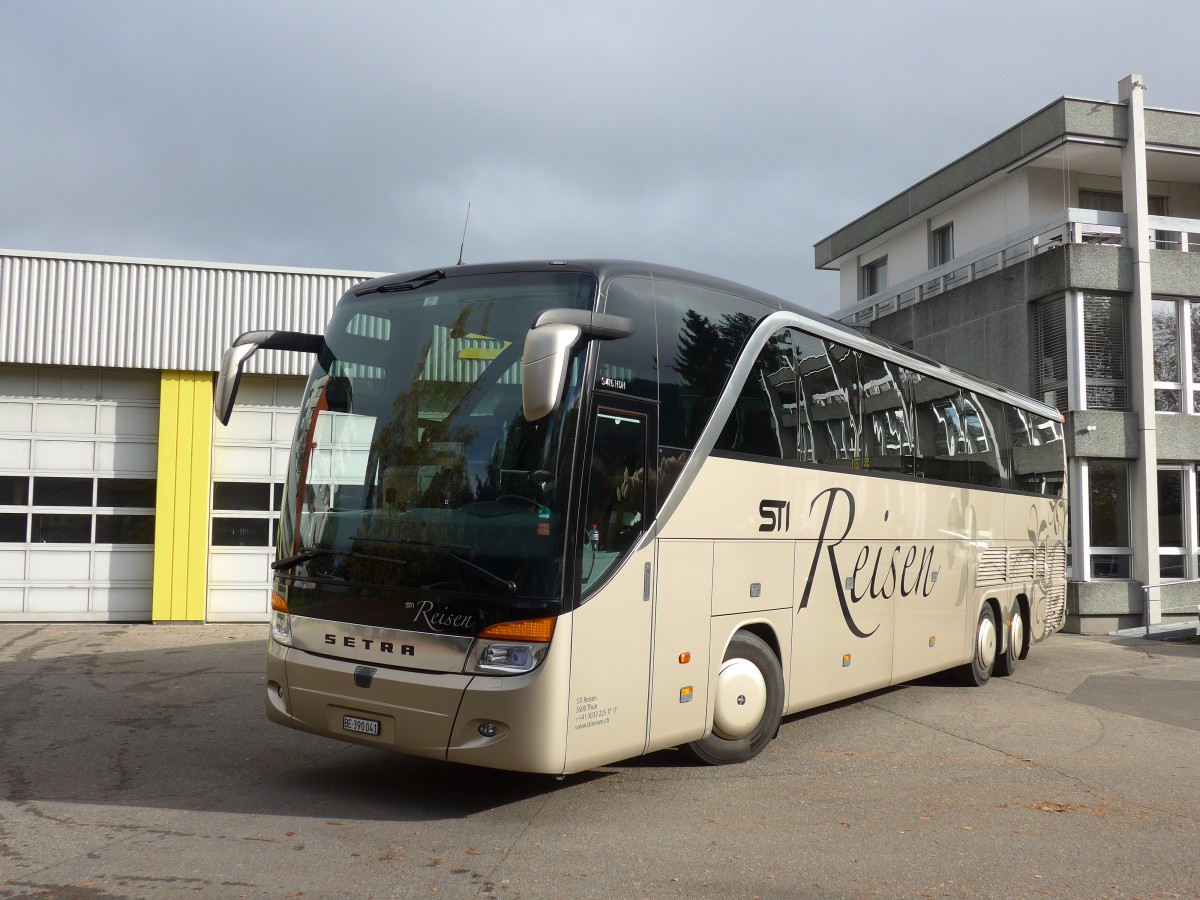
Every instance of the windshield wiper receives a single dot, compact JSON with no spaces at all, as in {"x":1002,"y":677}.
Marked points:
{"x":418,"y":281}
{"x":446,"y":549}
{"x":307,"y":553}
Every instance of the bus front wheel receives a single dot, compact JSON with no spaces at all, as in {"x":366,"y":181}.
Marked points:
{"x":983,"y":656}
{"x":749,"y":703}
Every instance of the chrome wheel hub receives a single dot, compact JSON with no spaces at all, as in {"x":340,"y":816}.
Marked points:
{"x":985,"y":644}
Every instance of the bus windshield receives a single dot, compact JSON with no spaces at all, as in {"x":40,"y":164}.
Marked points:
{"x":413,"y":468}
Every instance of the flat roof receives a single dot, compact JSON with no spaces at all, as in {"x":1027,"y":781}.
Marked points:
{"x":1063,"y":120}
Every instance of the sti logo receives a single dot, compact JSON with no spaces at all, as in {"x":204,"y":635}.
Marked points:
{"x":776,"y":515}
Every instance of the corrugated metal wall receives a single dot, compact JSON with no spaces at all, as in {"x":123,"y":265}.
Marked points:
{"x":152,"y":314}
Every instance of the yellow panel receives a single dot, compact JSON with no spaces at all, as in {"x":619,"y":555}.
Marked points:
{"x":181,"y":528}
{"x":165,"y":501}
{"x":180,"y":478}
{"x":201,"y":469}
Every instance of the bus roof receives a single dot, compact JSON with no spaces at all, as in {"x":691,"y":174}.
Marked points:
{"x":606,"y":270}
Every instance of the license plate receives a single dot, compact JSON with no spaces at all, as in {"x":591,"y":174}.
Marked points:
{"x":360,"y":726}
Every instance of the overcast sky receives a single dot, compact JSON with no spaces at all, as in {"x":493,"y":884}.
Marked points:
{"x":725,"y":137}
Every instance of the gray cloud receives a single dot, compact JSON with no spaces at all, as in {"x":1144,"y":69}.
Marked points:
{"x":353,"y":135}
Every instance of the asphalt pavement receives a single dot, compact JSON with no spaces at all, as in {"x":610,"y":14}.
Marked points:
{"x":135,"y":761}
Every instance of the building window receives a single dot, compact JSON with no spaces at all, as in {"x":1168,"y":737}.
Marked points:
{"x":13,"y":528}
{"x":14,"y":490}
{"x":126,"y":492}
{"x":51,"y":491}
{"x":245,"y":513}
{"x":1112,"y":201}
{"x":1176,"y":333}
{"x":1168,"y":386}
{"x":1102,"y":201}
{"x":1173,"y":534}
{"x":61,"y":528}
{"x":1191,"y":490}
{"x":62,"y":510}
{"x":1193,"y":358}
{"x":872,"y":277}
{"x":1106,"y":352}
{"x":941,"y":245}
{"x":1050,"y":352}
{"x":1110,"y":553}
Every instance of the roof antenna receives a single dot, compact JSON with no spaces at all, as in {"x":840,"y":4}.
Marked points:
{"x":464,"y":237}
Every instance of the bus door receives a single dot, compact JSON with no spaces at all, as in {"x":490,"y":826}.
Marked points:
{"x":610,"y":635}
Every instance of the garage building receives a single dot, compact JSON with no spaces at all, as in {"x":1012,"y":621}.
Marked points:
{"x":120,"y":498}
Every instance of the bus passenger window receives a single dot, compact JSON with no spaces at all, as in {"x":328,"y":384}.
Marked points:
{"x":701,"y":334}
{"x":885,"y":427}
{"x":845,"y":367}
{"x":813,"y":374}
{"x":987,"y":435}
{"x":942,"y":451}
{"x":832,"y":425}
{"x":763,"y":422}
{"x":1037,"y":464}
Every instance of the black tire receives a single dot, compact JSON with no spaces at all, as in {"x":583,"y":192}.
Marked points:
{"x":749,"y":667}
{"x":983,"y":654}
{"x":1006,"y":662}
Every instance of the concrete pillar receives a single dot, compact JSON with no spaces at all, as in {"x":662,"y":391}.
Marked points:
{"x":1144,"y":471}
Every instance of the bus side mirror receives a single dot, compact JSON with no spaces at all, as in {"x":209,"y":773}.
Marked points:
{"x":548,"y":350}
{"x":544,"y":368}
{"x":230,"y":375}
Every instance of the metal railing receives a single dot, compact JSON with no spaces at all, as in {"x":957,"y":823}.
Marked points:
{"x":1149,"y":614}
{"x":1167,"y":233}
{"x":1074,"y":226}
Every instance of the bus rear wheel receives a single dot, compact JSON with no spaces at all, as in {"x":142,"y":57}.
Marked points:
{"x":1006,"y":662}
{"x":983,"y":657}
{"x":749,"y":703}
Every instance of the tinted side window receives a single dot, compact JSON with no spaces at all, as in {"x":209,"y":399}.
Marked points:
{"x":987,"y":436}
{"x":826,"y":372}
{"x":1037,"y":456}
{"x":942,"y":451}
{"x":808,"y":359}
{"x":885,"y":426}
{"x":629,"y":365}
{"x":763,"y":422}
{"x":701,"y":334}
{"x":845,"y":368}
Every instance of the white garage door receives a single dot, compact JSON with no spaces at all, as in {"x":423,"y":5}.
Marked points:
{"x":249,"y":466}
{"x":78,"y":460}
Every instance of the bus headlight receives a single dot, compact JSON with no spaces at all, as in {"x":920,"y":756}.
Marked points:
{"x":281,"y":620}
{"x":281,"y":628}
{"x":494,"y":655}
{"x":508,"y":658}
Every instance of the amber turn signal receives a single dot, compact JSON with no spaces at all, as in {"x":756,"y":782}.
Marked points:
{"x":278,"y":603}
{"x":537,"y":630}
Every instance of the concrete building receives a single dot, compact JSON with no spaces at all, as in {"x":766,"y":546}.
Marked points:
{"x":1062,"y":258}
{"x":119,"y":501}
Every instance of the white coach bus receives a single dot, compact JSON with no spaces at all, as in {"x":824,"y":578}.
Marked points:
{"x":547,"y":516}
